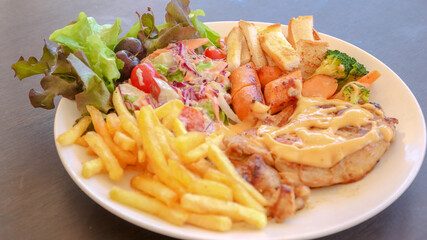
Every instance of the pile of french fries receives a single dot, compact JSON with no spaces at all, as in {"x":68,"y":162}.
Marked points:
{"x":184,"y":177}
{"x":264,"y":46}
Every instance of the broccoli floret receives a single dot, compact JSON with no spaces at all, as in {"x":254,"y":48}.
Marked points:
{"x":357,"y":71}
{"x":353,"y":92}
{"x":336,"y":64}
{"x":342,"y":67}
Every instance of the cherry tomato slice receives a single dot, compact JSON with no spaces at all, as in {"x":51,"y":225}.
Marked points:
{"x":214,"y":53}
{"x":192,"y":119}
{"x":142,"y":77}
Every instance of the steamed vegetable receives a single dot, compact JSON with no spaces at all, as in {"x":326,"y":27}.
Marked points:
{"x":354,"y":92}
{"x":342,"y":67}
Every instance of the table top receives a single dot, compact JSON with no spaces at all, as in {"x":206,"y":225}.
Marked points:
{"x":40,"y":201}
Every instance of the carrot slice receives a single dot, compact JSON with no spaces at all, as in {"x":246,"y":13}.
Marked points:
{"x":369,"y":78}
{"x":195,"y":43}
{"x":267,"y":74}
{"x":243,"y":76}
{"x":277,"y":92}
{"x":319,"y":86}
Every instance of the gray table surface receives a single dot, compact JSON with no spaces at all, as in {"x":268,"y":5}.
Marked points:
{"x":38,"y":200}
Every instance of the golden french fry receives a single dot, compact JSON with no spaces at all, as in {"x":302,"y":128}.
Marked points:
{"x":70,"y":136}
{"x":163,"y":140}
{"x":97,"y":143}
{"x":132,"y":129}
{"x":81,"y":141}
{"x":181,"y":173}
{"x":90,"y":152}
{"x":251,"y":36}
{"x":201,"y":166}
{"x":274,"y":43}
{"x":210,"y":188}
{"x":172,"y":108}
{"x":113,"y":123}
{"x":154,"y":188}
{"x":92,"y":167}
{"x":204,"y":204}
{"x":196,"y":154}
{"x":157,"y":161}
{"x":141,"y":156}
{"x":178,"y":127}
{"x":124,"y":141}
{"x":224,"y":165}
{"x":189,"y":141}
{"x":149,"y":205}
{"x":211,"y":222}
{"x":240,"y":195}
{"x":101,"y":129}
{"x":234,"y":48}
{"x":120,"y":106}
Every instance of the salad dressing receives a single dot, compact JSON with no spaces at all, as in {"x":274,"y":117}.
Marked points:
{"x":315,"y":122}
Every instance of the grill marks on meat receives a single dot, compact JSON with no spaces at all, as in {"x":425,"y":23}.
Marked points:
{"x":251,"y":161}
{"x":266,"y":180}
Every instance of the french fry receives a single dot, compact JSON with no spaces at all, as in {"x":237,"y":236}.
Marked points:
{"x":208,"y":205}
{"x":196,"y":154}
{"x":141,"y":156}
{"x":149,"y":205}
{"x":172,"y":108}
{"x":201,"y":166}
{"x":90,"y":152}
{"x":120,"y":106}
{"x":240,"y":195}
{"x":189,"y":141}
{"x":124,"y":141}
{"x":101,"y":129}
{"x":181,"y":173}
{"x":251,"y":36}
{"x":157,"y":161}
{"x":210,"y":188}
{"x":93,"y":167}
{"x":113,"y":123}
{"x":81,"y":141}
{"x":154,"y":188}
{"x":132,"y":129}
{"x":211,"y":222}
{"x":234,"y":48}
{"x":70,"y":136}
{"x":97,"y":143}
{"x":178,"y":127}
{"x":224,"y":165}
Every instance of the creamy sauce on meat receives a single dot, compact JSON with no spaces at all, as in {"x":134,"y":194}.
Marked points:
{"x":315,"y":123}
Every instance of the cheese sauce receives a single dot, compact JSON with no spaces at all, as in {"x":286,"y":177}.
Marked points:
{"x":315,"y":123}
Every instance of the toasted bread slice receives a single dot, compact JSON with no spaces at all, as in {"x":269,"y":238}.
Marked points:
{"x":305,"y":39}
{"x":312,"y":54}
{"x":251,"y":35}
{"x":300,"y":28}
{"x":274,"y":43}
{"x":234,"y":48}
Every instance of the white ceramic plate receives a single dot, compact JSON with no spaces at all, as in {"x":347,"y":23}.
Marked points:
{"x":329,"y":210}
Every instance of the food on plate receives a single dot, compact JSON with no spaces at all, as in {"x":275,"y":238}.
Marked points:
{"x":213,"y":130}
{"x":307,"y":43}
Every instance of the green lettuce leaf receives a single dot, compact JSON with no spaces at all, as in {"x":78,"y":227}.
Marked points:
{"x":204,"y":31}
{"x":94,"y":92}
{"x":97,"y":42}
